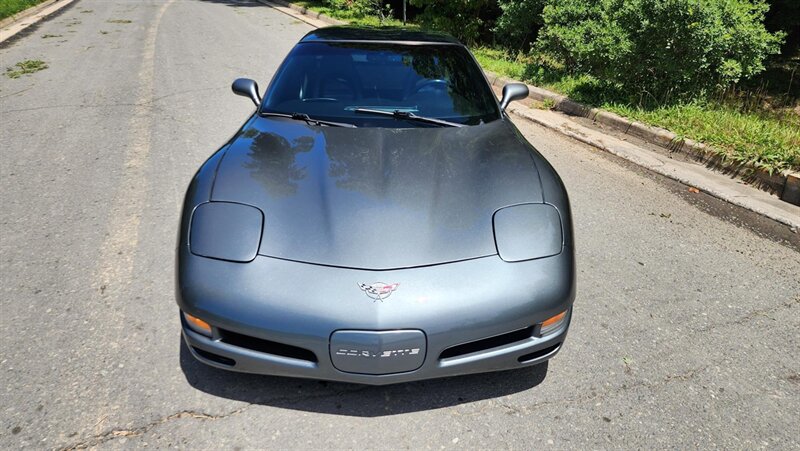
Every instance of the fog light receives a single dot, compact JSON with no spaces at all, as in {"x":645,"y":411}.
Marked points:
{"x":553,"y":323}
{"x":197,"y":324}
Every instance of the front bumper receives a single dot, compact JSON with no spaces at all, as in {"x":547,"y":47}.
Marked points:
{"x":528,"y":352}
{"x":301,"y":306}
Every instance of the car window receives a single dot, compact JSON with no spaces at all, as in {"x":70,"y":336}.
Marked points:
{"x":331,"y":80}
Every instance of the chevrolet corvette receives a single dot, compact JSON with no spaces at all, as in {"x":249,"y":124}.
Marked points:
{"x":377,"y":219}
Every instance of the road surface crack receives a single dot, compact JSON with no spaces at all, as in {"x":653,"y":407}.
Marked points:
{"x":766,"y":312}
{"x":195,"y":415}
{"x":140,"y":430}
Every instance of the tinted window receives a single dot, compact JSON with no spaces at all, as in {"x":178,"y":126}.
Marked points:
{"x":330,"y":80}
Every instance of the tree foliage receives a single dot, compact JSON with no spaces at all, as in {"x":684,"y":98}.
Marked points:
{"x":784,"y":15}
{"x":519,"y":23}
{"x":467,"y":20}
{"x":377,"y":8}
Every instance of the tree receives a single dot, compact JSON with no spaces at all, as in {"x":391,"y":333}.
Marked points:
{"x":467,"y":20}
{"x":519,"y":22}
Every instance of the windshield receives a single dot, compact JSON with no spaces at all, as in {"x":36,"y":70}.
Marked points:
{"x":332,"y":80}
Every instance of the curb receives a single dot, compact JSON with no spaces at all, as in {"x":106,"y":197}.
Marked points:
{"x":791,"y":193}
{"x":13,"y":24}
{"x":783,"y":184}
{"x":25,"y":13}
{"x":304,"y":11}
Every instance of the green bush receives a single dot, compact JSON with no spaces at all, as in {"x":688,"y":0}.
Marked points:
{"x":467,"y":20}
{"x":663,"y":47}
{"x":580,"y":34}
{"x":519,"y":22}
{"x":363,"y":8}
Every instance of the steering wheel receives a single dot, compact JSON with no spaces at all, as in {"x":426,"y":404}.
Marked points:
{"x":436,"y":84}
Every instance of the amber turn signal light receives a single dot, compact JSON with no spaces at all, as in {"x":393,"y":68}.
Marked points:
{"x":553,"y":323}
{"x":197,"y":324}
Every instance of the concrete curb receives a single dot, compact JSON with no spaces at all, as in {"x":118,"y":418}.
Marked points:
{"x":23,"y":19}
{"x":25,"y":13}
{"x":777,"y":183}
{"x":304,"y":11}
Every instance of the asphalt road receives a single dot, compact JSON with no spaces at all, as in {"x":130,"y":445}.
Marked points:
{"x":687,"y":323}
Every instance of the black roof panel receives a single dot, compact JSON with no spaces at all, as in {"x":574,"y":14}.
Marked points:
{"x":388,"y":34}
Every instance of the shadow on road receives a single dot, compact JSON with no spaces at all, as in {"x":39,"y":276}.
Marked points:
{"x":237,"y":3}
{"x":356,"y":400}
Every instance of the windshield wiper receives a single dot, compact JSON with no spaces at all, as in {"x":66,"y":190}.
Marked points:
{"x":307,"y":119}
{"x":397,"y":114}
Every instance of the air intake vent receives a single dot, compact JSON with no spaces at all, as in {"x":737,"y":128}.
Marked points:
{"x":214,"y":357}
{"x":487,"y":343}
{"x":266,"y":346}
{"x":540,"y":353}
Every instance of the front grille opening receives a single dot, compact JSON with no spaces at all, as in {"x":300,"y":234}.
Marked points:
{"x":266,"y":346}
{"x":535,"y":355}
{"x":214,"y":357}
{"x":487,"y":343}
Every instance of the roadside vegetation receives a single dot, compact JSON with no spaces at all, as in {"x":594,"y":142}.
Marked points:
{"x":748,"y":124}
{"x":10,"y":7}
{"x":25,"y":67}
{"x":723,"y":72}
{"x":361,"y":12}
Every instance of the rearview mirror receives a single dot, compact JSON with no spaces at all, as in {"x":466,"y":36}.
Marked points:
{"x":513,"y":91}
{"x":247,"y":88}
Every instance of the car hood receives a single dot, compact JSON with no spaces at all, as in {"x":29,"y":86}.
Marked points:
{"x":377,"y":198}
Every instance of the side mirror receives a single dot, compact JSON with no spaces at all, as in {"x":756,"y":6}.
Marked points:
{"x":513,"y":91}
{"x":247,"y":88}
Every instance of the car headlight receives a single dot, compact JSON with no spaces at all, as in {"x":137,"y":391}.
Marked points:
{"x":226,"y":231}
{"x":528,"y":231}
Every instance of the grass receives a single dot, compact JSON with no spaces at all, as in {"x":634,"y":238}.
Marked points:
{"x":25,"y":67}
{"x":10,"y":7}
{"x":767,"y":141}
{"x":118,"y":21}
{"x":548,"y":104}
{"x":764,"y":132}
{"x":349,"y":15}
{"x":500,"y":63}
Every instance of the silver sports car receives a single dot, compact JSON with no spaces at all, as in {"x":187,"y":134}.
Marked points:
{"x":378,"y":219}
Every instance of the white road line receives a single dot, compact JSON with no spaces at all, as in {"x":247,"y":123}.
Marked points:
{"x":117,"y":252}
{"x":114,"y":271}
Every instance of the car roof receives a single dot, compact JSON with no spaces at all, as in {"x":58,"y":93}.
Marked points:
{"x":377,"y":34}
